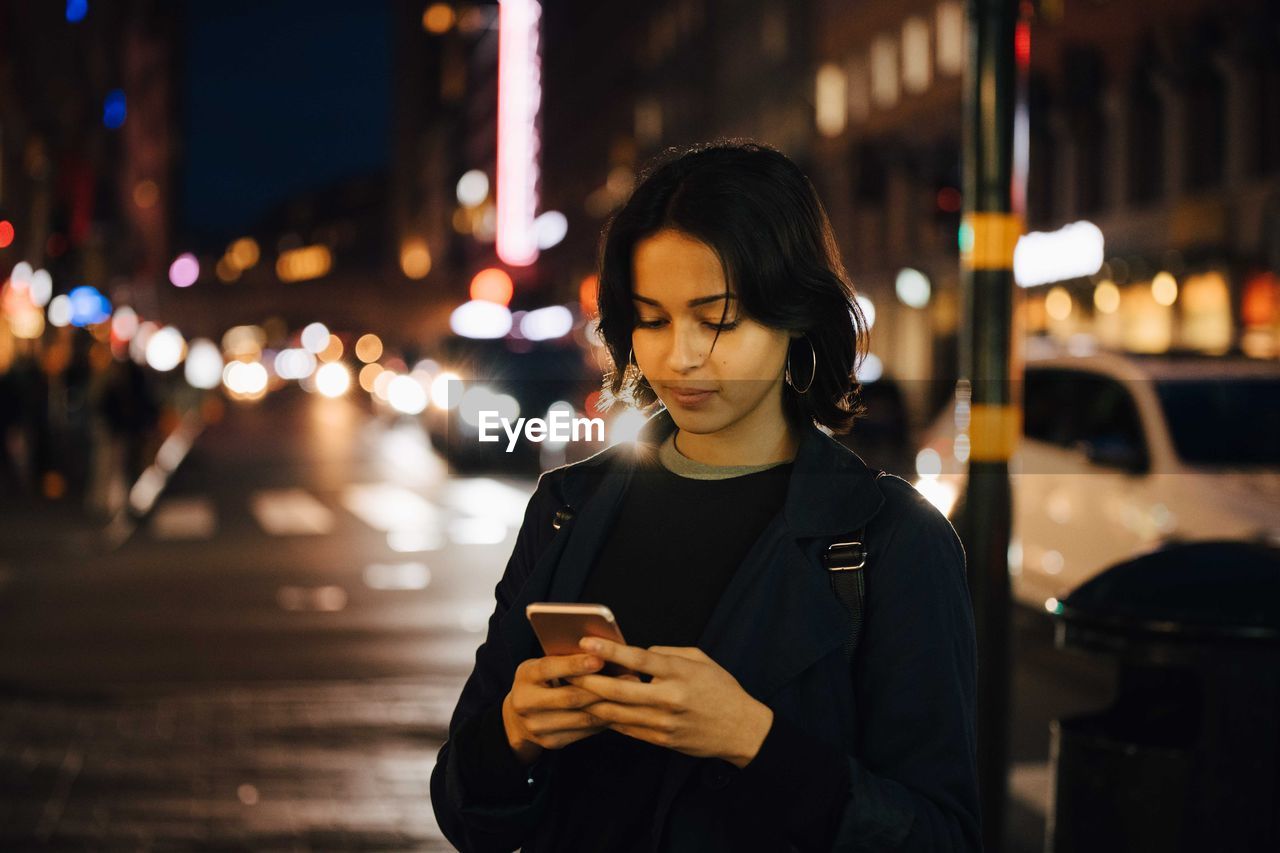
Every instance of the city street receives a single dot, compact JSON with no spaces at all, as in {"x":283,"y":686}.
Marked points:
{"x":270,"y":660}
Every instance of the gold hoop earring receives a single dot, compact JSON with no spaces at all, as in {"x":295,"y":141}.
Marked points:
{"x":812,"y":373}
{"x":633,"y":368}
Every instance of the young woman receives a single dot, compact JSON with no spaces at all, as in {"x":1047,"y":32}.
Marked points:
{"x":723,"y":295}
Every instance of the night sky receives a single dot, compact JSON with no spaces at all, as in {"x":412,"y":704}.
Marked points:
{"x":278,"y":96}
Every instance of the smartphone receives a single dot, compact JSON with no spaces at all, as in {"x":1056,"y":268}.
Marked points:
{"x":559,"y":626}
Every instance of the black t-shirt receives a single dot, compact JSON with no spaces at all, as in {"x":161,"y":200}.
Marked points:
{"x":674,"y":545}
{"x":672,"y":550}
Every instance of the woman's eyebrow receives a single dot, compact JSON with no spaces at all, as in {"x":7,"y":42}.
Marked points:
{"x":693,"y":303}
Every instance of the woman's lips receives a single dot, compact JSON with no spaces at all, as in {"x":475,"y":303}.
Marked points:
{"x":690,"y":398}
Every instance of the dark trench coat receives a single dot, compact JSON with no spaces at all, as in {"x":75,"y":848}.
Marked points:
{"x":904,"y":719}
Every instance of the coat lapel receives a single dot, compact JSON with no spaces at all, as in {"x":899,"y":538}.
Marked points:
{"x":561,"y":571}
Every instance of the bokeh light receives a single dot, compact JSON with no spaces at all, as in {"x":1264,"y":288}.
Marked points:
{"x":88,"y":306}
{"x":124,"y":323}
{"x":138,"y":345}
{"x":368,"y":374}
{"x":492,"y":285}
{"x":550,"y":228}
{"x":406,"y":395}
{"x":333,"y":379}
{"x":543,"y":324}
{"x":226,"y":271}
{"x":1164,"y":289}
{"x":332,"y":350}
{"x":40,"y":288}
{"x":438,"y":18}
{"x":473,"y":188}
{"x":184,"y":271}
{"x":315,"y":337}
{"x":244,"y":342}
{"x":1057,"y":303}
{"x":1106,"y":297}
{"x":303,"y":264}
{"x":60,"y":310}
{"x":369,"y":348}
{"x":166,"y":349}
{"x":114,"y":110}
{"x":244,"y":253}
{"x":870,"y":368}
{"x":480,"y":319}
{"x":203,"y":368}
{"x":294,"y":363}
{"x":627,"y":426}
{"x":868,"y":309}
{"x":912,"y":287}
{"x":415,"y":258}
{"x":245,"y":380}
{"x":441,"y":386}
{"x":146,"y":194}
{"x":589,"y":294}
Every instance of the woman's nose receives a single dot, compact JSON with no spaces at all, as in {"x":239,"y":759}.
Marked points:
{"x":687,"y":351}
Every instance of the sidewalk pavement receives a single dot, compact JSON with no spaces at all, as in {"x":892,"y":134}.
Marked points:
{"x":298,"y":766}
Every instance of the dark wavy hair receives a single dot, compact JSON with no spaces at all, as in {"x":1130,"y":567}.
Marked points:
{"x":761,"y":216}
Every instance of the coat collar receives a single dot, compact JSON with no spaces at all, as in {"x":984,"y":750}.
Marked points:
{"x":831,"y":490}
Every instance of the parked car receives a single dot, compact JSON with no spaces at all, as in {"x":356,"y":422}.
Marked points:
{"x":1121,"y":453}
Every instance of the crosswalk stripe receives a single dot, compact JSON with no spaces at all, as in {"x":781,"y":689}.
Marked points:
{"x":387,"y":507}
{"x":291,"y":512}
{"x":184,"y":518}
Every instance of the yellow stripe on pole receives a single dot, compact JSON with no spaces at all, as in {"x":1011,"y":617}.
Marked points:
{"x":993,"y":431}
{"x":987,"y":240}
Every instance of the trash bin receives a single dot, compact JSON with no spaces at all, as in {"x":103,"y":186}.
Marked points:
{"x":1187,"y":756}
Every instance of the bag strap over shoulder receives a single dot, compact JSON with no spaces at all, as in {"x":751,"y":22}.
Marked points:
{"x":846,"y":562}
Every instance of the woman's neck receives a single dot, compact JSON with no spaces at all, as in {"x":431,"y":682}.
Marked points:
{"x":752,"y":440}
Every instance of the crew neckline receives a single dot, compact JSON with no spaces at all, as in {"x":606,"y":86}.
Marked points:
{"x":677,"y":463}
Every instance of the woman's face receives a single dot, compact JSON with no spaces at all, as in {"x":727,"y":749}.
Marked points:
{"x":679,"y":291}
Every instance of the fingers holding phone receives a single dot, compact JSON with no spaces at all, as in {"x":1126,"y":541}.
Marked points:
{"x":540,"y":716}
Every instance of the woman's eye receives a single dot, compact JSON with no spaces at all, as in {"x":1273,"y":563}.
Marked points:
{"x":720,"y":327}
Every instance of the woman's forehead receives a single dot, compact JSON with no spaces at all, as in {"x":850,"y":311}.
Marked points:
{"x":672,"y":269}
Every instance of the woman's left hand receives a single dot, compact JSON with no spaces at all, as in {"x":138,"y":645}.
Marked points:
{"x":692,"y":705}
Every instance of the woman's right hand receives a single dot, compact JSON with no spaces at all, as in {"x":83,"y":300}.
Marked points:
{"x":538,"y":716}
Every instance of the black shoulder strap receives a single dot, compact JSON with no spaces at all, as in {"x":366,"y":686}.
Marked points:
{"x":846,"y":561}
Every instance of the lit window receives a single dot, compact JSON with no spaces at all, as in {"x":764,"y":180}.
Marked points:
{"x":916,"y":71}
{"x":830,"y":100}
{"x":951,"y":34}
{"x":884,"y":71}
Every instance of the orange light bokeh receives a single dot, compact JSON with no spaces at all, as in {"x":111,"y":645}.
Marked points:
{"x":492,"y":285}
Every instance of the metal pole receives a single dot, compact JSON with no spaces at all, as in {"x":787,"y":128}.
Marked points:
{"x":988,"y":232}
